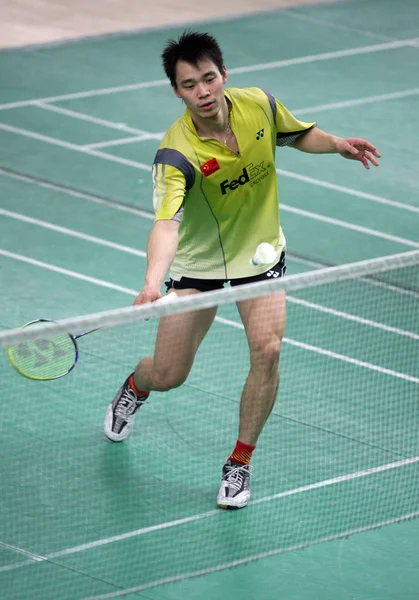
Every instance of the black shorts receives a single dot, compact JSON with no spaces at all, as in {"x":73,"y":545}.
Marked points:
{"x":207,"y":285}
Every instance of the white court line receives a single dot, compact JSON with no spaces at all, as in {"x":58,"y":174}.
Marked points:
{"x":212,"y":513}
{"x":61,"y":271}
{"x":337,"y":26}
{"x":233,"y":71}
{"x":76,"y":194}
{"x":135,"y":252}
{"x":380,"y":284}
{"x":302,"y":345}
{"x":118,"y":142}
{"x":348,"y":191}
{"x":351,"y":226}
{"x":87,"y":94}
{"x":330,"y":354}
{"x":33,"y":557}
{"x":142,"y":166}
{"x":350,"y":317}
{"x":103,"y":122}
{"x":357,"y":102}
{"x":248,"y":559}
{"x":353,"y":361}
{"x":73,"y":233}
{"x":325,"y":56}
{"x":74,"y":147}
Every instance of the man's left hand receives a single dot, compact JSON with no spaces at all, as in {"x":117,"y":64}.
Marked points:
{"x":357,"y":149}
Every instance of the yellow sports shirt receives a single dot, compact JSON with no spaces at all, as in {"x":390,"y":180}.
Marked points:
{"x":227,"y":203}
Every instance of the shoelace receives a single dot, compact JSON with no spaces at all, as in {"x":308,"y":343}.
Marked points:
{"x":128,"y":404}
{"x":235,"y":475}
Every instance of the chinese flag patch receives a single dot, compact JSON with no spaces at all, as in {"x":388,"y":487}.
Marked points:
{"x":210,"y":167}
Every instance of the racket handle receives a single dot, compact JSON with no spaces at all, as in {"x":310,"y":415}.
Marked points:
{"x":80,"y":335}
{"x":168,"y":299}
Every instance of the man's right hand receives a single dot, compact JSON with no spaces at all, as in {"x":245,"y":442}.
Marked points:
{"x":148,"y":294}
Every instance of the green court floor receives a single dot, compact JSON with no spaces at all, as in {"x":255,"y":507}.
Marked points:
{"x":336,"y":482}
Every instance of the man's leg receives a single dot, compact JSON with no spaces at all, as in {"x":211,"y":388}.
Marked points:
{"x":177,"y":342}
{"x":178,"y":339}
{"x":264,"y":322}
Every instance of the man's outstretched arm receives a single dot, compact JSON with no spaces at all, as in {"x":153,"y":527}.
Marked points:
{"x":316,"y":141}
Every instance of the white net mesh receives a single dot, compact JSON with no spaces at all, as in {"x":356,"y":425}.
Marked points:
{"x":339,"y":453}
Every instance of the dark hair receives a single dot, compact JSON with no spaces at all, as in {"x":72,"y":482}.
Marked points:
{"x":191,"y":47}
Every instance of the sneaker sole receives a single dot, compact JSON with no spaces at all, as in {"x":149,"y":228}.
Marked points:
{"x":231,"y":506}
{"x":116,"y":441}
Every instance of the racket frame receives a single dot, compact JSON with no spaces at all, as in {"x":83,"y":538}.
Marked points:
{"x":72,"y":338}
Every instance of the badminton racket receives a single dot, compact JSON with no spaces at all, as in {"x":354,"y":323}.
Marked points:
{"x":52,"y":357}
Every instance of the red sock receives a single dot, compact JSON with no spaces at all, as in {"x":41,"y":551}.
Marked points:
{"x":242,"y":453}
{"x":134,"y":387}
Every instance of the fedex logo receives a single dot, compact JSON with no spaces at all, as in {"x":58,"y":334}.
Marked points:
{"x":251,"y":173}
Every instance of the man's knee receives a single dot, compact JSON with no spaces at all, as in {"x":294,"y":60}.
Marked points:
{"x":272,"y":350}
{"x":266,"y":351}
{"x":163,"y":381}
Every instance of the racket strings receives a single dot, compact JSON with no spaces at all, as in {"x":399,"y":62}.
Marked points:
{"x":47,"y":358}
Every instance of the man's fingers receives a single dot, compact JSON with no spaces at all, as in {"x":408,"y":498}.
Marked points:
{"x":370,"y":148}
{"x":365,"y":162}
{"x":349,"y":148}
{"x":362,"y":150}
{"x":139,"y":300}
{"x":371,"y":158}
{"x":142,"y":299}
{"x":364,"y":145}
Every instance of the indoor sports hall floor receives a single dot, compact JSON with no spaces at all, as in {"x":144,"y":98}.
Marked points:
{"x":79,"y":126}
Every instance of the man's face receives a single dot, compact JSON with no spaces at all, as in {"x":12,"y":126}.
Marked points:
{"x":201,"y":87}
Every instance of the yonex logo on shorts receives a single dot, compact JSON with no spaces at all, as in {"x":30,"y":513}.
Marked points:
{"x":251,"y":174}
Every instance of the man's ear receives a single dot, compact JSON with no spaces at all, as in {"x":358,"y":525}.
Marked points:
{"x":224,"y":74}
{"x":175,"y":90}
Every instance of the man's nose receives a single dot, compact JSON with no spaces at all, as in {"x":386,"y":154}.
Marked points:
{"x":203,"y":90}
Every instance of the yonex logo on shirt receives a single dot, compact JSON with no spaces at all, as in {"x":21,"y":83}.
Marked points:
{"x":251,"y":173}
{"x":260,"y":134}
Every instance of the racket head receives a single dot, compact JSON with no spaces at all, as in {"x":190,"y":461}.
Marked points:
{"x":44,"y":359}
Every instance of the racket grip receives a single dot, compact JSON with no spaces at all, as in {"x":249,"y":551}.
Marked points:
{"x":168,"y":299}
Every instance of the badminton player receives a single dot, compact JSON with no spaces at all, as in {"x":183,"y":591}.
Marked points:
{"x":215,"y":200}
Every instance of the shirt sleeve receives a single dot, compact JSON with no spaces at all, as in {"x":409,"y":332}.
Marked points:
{"x":173,"y":176}
{"x":169,"y":188}
{"x":288,"y":127}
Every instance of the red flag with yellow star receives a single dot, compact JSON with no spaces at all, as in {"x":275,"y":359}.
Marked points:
{"x":210,"y":167}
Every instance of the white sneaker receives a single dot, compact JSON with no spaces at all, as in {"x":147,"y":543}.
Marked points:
{"x":120,"y":413}
{"x":234,"y":491}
